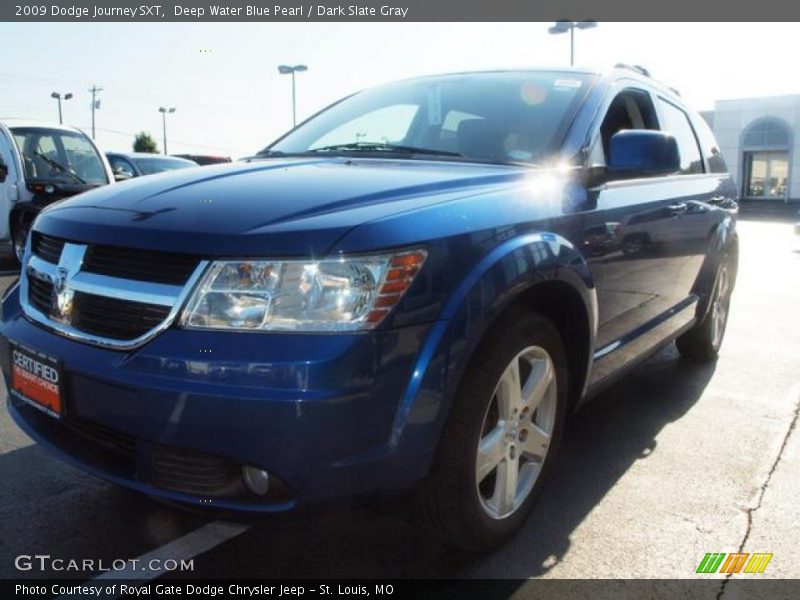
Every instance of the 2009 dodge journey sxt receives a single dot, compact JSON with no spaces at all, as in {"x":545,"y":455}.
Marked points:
{"x":403,"y":297}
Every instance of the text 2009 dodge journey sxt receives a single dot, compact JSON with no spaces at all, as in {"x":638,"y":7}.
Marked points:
{"x":402,"y":298}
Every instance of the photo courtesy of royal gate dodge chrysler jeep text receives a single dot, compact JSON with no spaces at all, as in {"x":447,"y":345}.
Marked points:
{"x":403,"y":298}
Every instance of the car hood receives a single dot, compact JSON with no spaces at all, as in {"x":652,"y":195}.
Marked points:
{"x":296,"y":207}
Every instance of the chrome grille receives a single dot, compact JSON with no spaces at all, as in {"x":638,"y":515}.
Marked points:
{"x":140,"y":265}
{"x":114,"y":318}
{"x":47,"y":247}
{"x":39,"y":294}
{"x":108,"y":296}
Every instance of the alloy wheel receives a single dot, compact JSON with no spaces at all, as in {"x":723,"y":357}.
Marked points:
{"x":516,"y":432}
{"x":719,"y":306}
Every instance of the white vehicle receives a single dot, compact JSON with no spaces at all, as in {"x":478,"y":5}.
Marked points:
{"x":41,"y":163}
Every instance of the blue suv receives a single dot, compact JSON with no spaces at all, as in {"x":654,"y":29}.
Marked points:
{"x":402,"y":298}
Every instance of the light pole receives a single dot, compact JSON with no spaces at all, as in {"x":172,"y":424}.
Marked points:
{"x":564,"y":27}
{"x":57,"y":96}
{"x":287,"y":70}
{"x":164,"y":112}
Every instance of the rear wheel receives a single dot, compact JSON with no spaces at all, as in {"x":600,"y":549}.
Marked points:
{"x":502,"y":434}
{"x":703,"y":341}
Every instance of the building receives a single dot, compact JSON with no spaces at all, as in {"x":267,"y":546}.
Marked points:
{"x":760,"y":140}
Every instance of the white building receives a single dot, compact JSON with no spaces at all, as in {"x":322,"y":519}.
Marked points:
{"x":760,"y":140}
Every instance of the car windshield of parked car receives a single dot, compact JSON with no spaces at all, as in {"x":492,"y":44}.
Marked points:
{"x":485,"y":117}
{"x":156,"y":164}
{"x":58,"y":156}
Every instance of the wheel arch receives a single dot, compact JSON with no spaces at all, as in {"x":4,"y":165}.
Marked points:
{"x":21,"y":212}
{"x":724,"y":241}
{"x":559,"y":286}
{"x":561,"y":303}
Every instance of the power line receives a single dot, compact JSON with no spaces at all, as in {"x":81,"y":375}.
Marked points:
{"x":116,"y":90}
{"x":128,"y":133}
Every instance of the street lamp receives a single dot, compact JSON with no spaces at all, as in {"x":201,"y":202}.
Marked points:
{"x":164,"y":112}
{"x":287,"y":70}
{"x":57,"y":96}
{"x":564,"y":27}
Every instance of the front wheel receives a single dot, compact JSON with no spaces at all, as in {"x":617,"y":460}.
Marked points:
{"x":502,"y":435}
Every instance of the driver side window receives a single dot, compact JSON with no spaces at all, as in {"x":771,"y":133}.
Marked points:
{"x":631,"y":109}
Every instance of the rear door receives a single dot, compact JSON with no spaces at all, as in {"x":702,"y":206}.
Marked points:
{"x":697,"y":213}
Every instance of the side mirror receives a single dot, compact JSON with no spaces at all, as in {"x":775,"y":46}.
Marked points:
{"x":122,"y":175}
{"x":3,"y":171}
{"x":642,"y":153}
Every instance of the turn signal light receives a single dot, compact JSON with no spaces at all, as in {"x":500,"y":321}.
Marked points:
{"x":402,"y":270}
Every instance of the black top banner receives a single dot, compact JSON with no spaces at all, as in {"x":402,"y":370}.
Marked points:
{"x":400,"y":10}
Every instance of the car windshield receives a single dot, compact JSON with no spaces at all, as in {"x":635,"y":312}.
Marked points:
{"x":59,"y":156}
{"x":487,"y":117}
{"x":156,"y":164}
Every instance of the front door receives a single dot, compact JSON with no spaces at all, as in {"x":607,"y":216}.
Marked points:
{"x":8,"y":188}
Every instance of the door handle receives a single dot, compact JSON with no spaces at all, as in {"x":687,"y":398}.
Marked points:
{"x":677,"y":208}
{"x":723,"y":202}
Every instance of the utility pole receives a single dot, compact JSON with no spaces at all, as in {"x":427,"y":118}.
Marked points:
{"x":95,"y":103}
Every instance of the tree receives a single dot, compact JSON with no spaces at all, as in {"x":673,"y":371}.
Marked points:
{"x":144,"y":142}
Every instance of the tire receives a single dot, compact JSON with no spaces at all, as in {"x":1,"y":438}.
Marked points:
{"x":19,"y":236}
{"x":462,"y":506}
{"x":703,"y":341}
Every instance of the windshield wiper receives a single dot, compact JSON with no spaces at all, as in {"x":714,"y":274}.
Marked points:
{"x":268,"y":153}
{"x":60,"y":167}
{"x":384,"y":147}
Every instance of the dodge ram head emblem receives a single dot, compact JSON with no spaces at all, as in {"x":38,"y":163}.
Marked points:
{"x":61,"y":298}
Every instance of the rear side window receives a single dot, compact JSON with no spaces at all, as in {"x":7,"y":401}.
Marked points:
{"x":708,"y":144}
{"x":676,"y":121}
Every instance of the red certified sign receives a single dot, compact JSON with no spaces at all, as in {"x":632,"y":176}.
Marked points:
{"x":36,"y":379}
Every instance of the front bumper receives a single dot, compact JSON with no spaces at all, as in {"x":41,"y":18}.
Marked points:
{"x":180,"y":416}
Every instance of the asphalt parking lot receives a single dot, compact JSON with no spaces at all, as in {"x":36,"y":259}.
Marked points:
{"x":671,"y":463}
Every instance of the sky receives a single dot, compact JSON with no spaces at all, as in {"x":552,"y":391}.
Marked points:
{"x":222,"y":78}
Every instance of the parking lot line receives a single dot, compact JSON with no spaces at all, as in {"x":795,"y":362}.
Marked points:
{"x":183,"y":548}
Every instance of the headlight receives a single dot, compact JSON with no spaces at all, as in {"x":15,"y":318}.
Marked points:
{"x":344,"y":294}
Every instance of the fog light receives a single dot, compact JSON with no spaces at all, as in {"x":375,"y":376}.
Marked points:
{"x":256,"y":480}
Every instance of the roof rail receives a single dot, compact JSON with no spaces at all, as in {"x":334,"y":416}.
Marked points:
{"x":638,"y":68}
